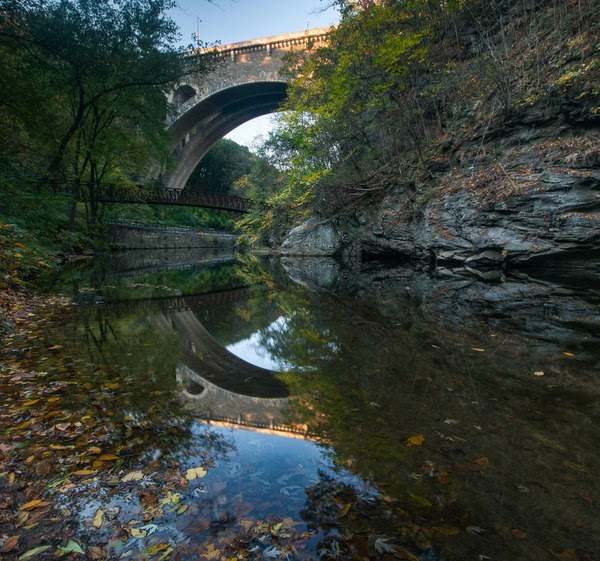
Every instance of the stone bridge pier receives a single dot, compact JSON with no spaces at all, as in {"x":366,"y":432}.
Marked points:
{"x":246,"y":83}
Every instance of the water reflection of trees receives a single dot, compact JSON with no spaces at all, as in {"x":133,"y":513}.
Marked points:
{"x":124,"y":370}
{"x":502,"y":450}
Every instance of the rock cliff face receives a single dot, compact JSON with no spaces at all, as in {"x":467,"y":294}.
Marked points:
{"x":552,"y":214}
{"x":539,"y":197}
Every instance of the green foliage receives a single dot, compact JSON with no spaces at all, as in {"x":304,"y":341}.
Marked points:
{"x":403,"y":85}
{"x":34,"y":230}
{"x":355,"y":109}
{"x":82,"y":97}
{"x":226,"y":162}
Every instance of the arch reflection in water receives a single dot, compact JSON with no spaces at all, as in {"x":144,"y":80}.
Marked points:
{"x":223,"y":388}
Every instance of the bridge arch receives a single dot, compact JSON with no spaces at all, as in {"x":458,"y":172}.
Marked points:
{"x":247,"y":82}
{"x":205,"y":123}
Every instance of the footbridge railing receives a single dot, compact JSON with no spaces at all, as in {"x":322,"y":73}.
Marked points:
{"x":151,"y":195}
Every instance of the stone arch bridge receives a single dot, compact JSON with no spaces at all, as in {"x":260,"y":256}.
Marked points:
{"x":246,"y":83}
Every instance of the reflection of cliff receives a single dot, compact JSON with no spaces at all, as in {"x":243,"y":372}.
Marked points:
{"x":451,"y":360}
{"x":553,"y":316}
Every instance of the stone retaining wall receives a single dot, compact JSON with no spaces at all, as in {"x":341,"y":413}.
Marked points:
{"x":147,"y":236}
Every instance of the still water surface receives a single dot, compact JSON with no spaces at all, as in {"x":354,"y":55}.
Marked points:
{"x":372,"y":413}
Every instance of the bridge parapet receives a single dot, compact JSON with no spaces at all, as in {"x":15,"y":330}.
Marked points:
{"x":257,"y":60}
{"x":247,"y":82}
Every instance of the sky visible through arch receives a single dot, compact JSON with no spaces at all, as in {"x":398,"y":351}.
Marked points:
{"x":231,"y":21}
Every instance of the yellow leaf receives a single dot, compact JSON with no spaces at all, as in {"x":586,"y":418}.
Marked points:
{"x":11,"y":478}
{"x":137,"y":533}
{"x":166,"y":554}
{"x":98,"y":519}
{"x":53,"y":399}
{"x":108,"y":458}
{"x":31,"y":402}
{"x":94,"y":450}
{"x":82,"y":472}
{"x":567,"y":354}
{"x":195,"y":473}
{"x":478,"y":350}
{"x":182,"y":509}
{"x":37,"y":503}
{"x":156,"y":549}
{"x":345,"y":510}
{"x":416,"y":440}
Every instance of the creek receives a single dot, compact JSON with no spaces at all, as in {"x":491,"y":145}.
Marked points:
{"x":261,"y":408}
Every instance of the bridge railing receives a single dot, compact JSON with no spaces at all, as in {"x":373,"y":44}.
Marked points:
{"x":151,"y":194}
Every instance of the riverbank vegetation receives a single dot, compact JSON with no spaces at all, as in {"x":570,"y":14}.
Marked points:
{"x":407,"y":91}
{"x":83,"y":97}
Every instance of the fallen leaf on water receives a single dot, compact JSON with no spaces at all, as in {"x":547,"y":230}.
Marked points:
{"x":421,"y":500}
{"x":9,"y":544}
{"x":567,"y":354}
{"x":72,"y":547}
{"x":137,"y":533}
{"x":156,"y":549}
{"x":478,"y":350}
{"x":344,"y":510}
{"x":37,"y":503}
{"x":33,"y":552}
{"x":98,"y":519}
{"x":96,"y":552}
{"x":132,"y":476}
{"x":518,"y":534}
{"x":83,"y":472}
{"x":182,"y":509}
{"x":381,"y":546}
{"x":195,"y":473}
{"x":416,"y":440}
